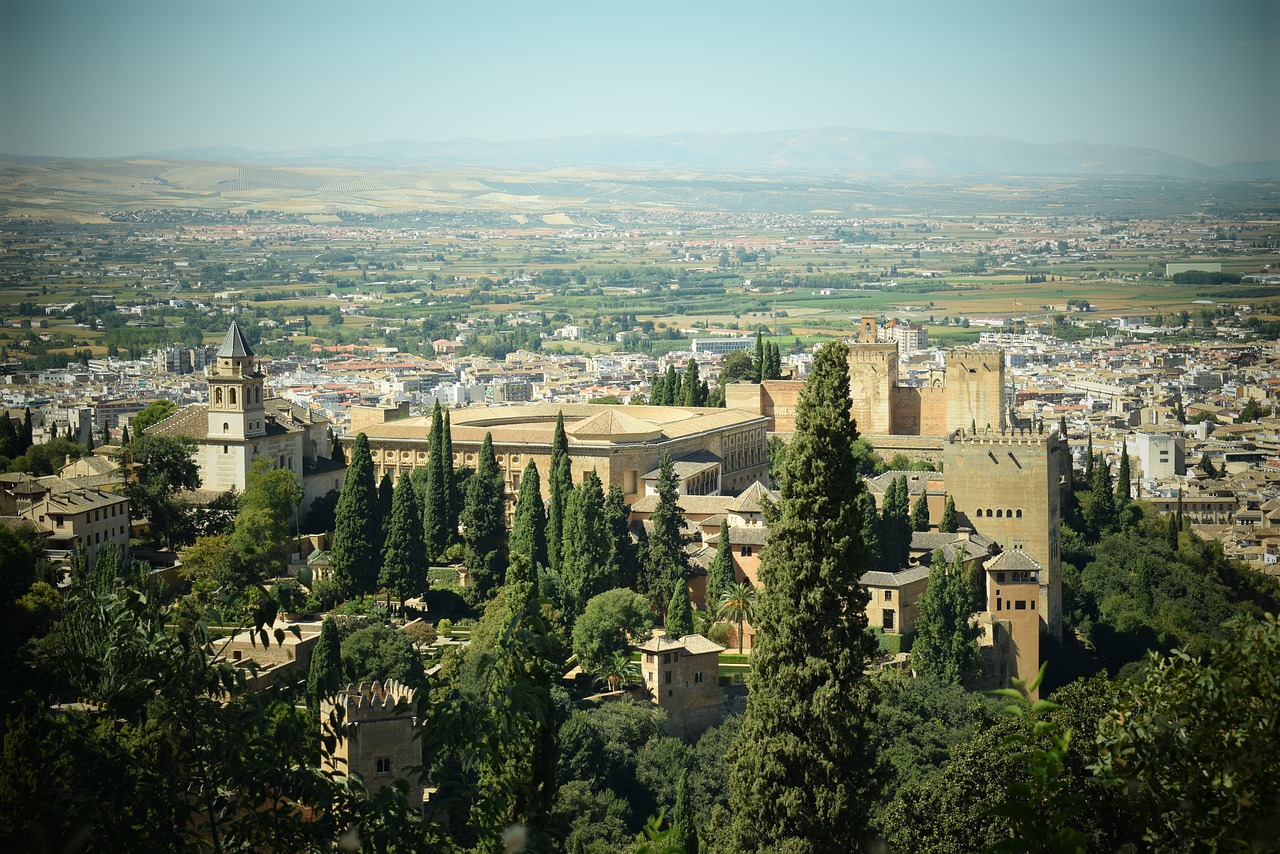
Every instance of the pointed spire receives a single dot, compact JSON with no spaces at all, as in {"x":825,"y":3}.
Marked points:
{"x":234,"y":346}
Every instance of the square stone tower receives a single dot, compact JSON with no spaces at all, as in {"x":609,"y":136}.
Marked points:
{"x":873,"y":375}
{"x":375,"y":736}
{"x":1006,"y":485}
{"x":975,"y":390}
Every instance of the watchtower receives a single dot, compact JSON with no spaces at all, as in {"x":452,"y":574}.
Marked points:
{"x":975,"y":390}
{"x":375,"y":735}
{"x":873,"y":374}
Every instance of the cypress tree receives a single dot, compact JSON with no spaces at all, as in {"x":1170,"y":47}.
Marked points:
{"x":585,"y":565}
{"x":895,"y":526}
{"x":435,"y":508}
{"x":804,"y":774}
{"x":758,"y":364}
{"x":404,"y":556}
{"x":1062,"y":427}
{"x":920,"y":513}
{"x":1171,"y":533}
{"x":25,"y":439}
{"x":385,"y":491}
{"x":623,"y":557}
{"x":657,"y":390}
{"x":335,"y":447}
{"x":1181,"y":523}
{"x":946,"y":642}
{"x":1123,"y":480}
{"x":871,"y":531}
{"x":679,"y":612}
{"x":671,"y":387}
{"x":124,"y":435}
{"x":684,"y":825}
{"x":1100,"y":511}
{"x":452,"y":498}
{"x":949,"y":524}
{"x":665,"y":564}
{"x":529,"y":526}
{"x":561,"y":485}
{"x":1088,"y":461}
{"x":354,"y":554}
{"x":691,"y":385}
{"x":325,"y":676}
{"x":483,"y":519}
{"x":11,"y":438}
{"x":721,"y":575}
{"x":704,"y":394}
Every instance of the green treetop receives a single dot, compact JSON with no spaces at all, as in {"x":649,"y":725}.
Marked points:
{"x":385,"y":495}
{"x":435,"y":509}
{"x":623,"y":557}
{"x":804,"y":776}
{"x":404,"y":556}
{"x":758,"y":364}
{"x":691,"y":385}
{"x":721,"y":575}
{"x":920,"y":513}
{"x":949,"y":524}
{"x":529,"y":527}
{"x":684,"y":827}
{"x":484,"y":521}
{"x":354,"y":553}
{"x":679,"y":612}
{"x":453,"y":499}
{"x":895,"y":526}
{"x":671,"y":387}
{"x":1124,"y":479}
{"x":585,"y":565}
{"x":325,"y":676}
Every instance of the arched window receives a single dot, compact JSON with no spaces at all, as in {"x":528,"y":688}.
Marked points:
{"x":1019,"y":512}
{"x":231,"y":396}
{"x":1008,"y":514}
{"x":988,"y":512}
{"x":226,"y":428}
{"x":217,"y":395}
{"x":999,"y":514}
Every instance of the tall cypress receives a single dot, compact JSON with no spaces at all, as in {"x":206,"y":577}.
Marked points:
{"x":658,"y":390}
{"x":325,"y":675}
{"x":25,"y":434}
{"x":758,"y":364}
{"x":679,"y":611}
{"x":895,"y":526}
{"x":483,"y":518}
{"x":870,"y":532}
{"x":671,"y":388}
{"x":623,"y":556}
{"x":720,"y":575}
{"x":946,"y":641}
{"x":804,"y":774}
{"x":1124,"y":479}
{"x":684,"y":825}
{"x":355,"y":555}
{"x":920,"y":513}
{"x":435,"y":507}
{"x":666,"y":562}
{"x":385,"y":491}
{"x":404,"y":556}
{"x":452,"y":497}
{"x":124,"y":435}
{"x":529,"y":526}
{"x":561,"y":484}
{"x":949,"y":524}
{"x":691,"y":385}
{"x":585,"y":564}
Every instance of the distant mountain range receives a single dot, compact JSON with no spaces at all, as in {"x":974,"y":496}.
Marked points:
{"x":820,"y":150}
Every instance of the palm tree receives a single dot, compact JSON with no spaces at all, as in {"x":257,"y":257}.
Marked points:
{"x":737,"y":605}
{"x":618,"y":671}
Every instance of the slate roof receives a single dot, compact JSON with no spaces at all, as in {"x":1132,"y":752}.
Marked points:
{"x":753,"y":499}
{"x":692,"y":644}
{"x":1015,"y":561}
{"x":875,"y":578}
{"x":234,"y":346}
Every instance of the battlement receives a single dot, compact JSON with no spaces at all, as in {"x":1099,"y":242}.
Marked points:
{"x":370,"y":700}
{"x":1023,"y":438}
{"x":873,"y":353}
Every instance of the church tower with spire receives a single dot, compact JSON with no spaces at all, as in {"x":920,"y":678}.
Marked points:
{"x":236,"y":386}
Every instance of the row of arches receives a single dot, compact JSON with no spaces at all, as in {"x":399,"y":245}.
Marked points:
{"x":252,"y":395}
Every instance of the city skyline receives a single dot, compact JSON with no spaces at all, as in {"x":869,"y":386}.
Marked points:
{"x":86,"y":79}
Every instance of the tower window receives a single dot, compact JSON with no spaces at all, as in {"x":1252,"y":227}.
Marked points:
{"x":217,"y":396}
{"x":231,"y":396}
{"x":226,"y":428}
{"x":384,"y":766}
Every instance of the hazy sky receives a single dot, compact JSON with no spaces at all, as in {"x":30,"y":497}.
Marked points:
{"x":117,"y":77}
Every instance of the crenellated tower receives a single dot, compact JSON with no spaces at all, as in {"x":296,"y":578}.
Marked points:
{"x":975,"y":390}
{"x":375,"y":725}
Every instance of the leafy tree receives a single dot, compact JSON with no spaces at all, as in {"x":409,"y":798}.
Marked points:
{"x":804,"y":776}
{"x":153,"y":413}
{"x":1203,"y":733}
{"x":322,"y":513}
{"x":404,"y":555}
{"x":679,"y":612}
{"x":610,"y":622}
{"x":721,"y":574}
{"x":736,"y":367}
{"x":946,"y":643}
{"x":920,"y":514}
{"x":354,"y":554}
{"x":163,"y":467}
{"x":561,"y":485}
{"x":266,"y":514}
{"x":529,"y":527}
{"x":585,"y":565}
{"x":483,"y":517}
{"x":378,"y":651}
{"x":1207,"y":467}
{"x":738,"y":605}
{"x":666,"y":562}
{"x":949,"y":524}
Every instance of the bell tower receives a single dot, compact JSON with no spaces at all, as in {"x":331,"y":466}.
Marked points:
{"x":235,"y":391}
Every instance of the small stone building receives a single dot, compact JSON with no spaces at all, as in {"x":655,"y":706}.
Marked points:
{"x":682,"y":677}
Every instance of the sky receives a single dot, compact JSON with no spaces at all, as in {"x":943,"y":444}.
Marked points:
{"x":122,"y":77}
